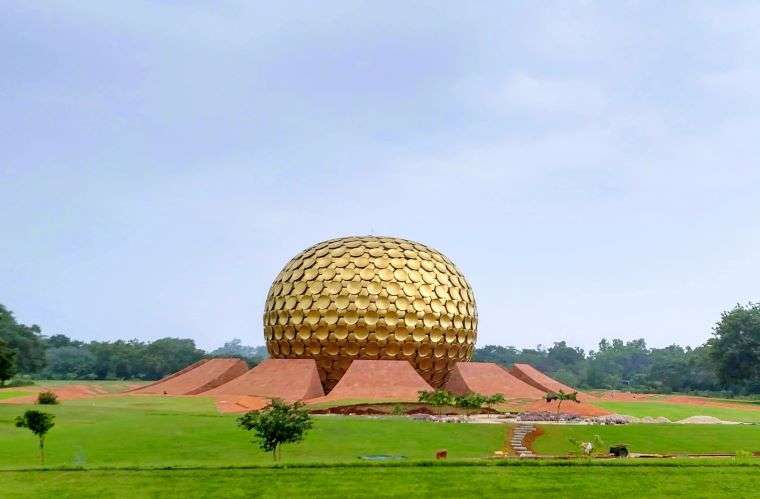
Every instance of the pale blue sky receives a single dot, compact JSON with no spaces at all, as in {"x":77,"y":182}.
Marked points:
{"x":591,"y":167}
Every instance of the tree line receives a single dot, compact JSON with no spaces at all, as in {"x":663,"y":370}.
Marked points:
{"x":24,"y":350}
{"x":728,"y":362}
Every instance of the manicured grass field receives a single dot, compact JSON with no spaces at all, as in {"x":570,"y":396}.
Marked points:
{"x":9,"y":394}
{"x":675,"y":412}
{"x":413,"y":481}
{"x":187,"y":431}
{"x":650,"y":438}
{"x":124,"y":445}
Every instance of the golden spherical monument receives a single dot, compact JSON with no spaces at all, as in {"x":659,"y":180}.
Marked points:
{"x":371,"y":298}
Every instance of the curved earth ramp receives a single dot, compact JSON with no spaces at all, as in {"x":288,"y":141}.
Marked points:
{"x":380,"y":380}
{"x":534,"y":377}
{"x":196,"y":378}
{"x":488,"y":378}
{"x":287,"y":379}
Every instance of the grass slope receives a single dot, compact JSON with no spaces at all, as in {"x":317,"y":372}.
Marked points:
{"x":649,"y":438}
{"x":675,"y":412}
{"x":437,"y":481}
{"x":186,"y":431}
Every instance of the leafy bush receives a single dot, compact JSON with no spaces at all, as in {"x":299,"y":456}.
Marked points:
{"x":47,"y":398}
{"x":438,"y":398}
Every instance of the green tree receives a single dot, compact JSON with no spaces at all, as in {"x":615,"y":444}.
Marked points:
{"x":278,"y":424}
{"x":668,"y":370}
{"x":735,"y":346}
{"x":69,"y":362}
{"x":38,"y":423}
{"x":7,"y":363}
{"x":26,"y":341}
{"x":561,"y":396}
{"x":168,"y":355}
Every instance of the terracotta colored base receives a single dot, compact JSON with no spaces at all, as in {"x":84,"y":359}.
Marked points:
{"x":384,"y":380}
{"x":66,"y":392}
{"x":488,"y":378}
{"x":197,"y":378}
{"x":287,"y":379}
{"x":534,"y":377}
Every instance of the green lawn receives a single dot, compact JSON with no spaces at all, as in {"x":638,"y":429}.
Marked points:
{"x":651,"y":438}
{"x":675,"y":412}
{"x":382,"y":481}
{"x":9,"y":394}
{"x":127,"y":436}
{"x":187,"y":431}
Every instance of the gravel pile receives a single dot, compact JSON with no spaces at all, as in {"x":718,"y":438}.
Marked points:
{"x":549,"y":416}
{"x":704,"y":420}
{"x":657,"y":420}
{"x":614,"y":419}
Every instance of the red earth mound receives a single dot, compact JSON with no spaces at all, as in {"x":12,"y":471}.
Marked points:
{"x":394,"y":380}
{"x":287,"y":379}
{"x":196,"y":378}
{"x":488,"y":378}
{"x":706,"y":402}
{"x":66,"y":392}
{"x":536,"y":378}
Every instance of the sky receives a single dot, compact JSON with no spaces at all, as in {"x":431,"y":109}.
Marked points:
{"x":591,"y":167}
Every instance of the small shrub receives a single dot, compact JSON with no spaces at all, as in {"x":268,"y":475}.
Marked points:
{"x":47,"y":398}
{"x":398,"y":410}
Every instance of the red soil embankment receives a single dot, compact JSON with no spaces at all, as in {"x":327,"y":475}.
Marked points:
{"x":243,"y":403}
{"x":65,"y":392}
{"x":287,"y":379}
{"x":707,"y":402}
{"x":196,"y":378}
{"x":378,"y":380}
{"x":536,"y":378}
{"x":488,"y":378}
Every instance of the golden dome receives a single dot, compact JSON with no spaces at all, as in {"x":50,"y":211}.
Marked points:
{"x":371,"y":298}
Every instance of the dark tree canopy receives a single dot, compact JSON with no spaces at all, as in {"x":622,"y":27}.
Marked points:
{"x":736,"y":346}
{"x":26,"y":341}
{"x":7,"y":362}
